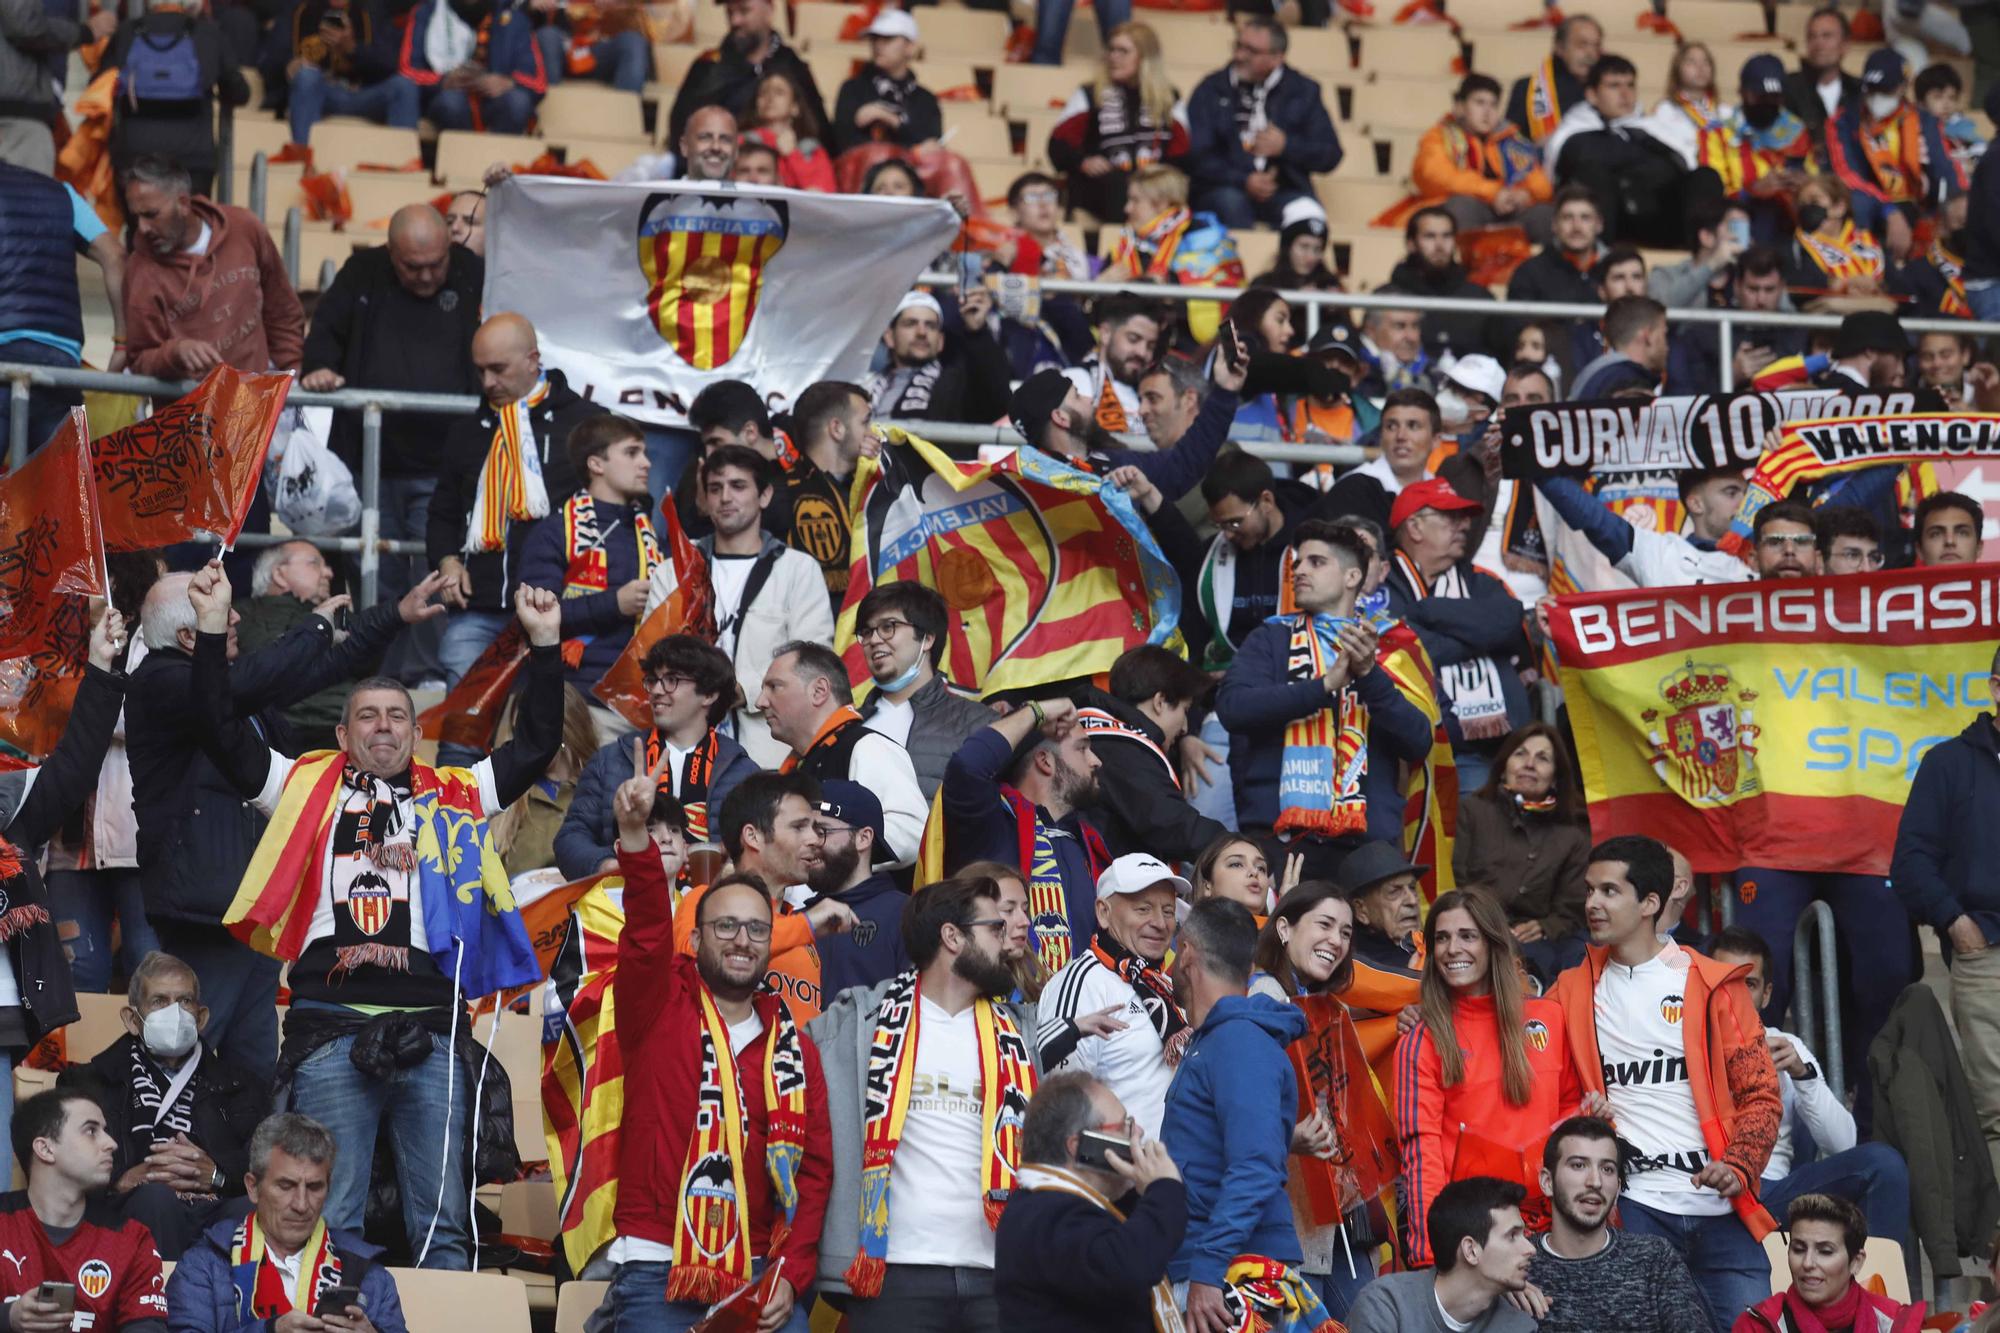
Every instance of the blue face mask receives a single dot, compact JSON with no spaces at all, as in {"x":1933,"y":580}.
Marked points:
{"x":905,"y":679}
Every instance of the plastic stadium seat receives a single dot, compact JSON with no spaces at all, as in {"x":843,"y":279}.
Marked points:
{"x":340,"y":141}
{"x":96,"y":1028}
{"x":253,"y":133}
{"x":593,"y":109}
{"x":1372,"y":257}
{"x":833,"y":64}
{"x":317,"y":244}
{"x":1505,"y":57}
{"x":1405,"y":105}
{"x":1353,"y":204}
{"x":1020,"y":89}
{"x":464,"y":155}
{"x":1792,"y":20}
{"x":984,"y":140}
{"x":1419,"y":51}
{"x":1257,"y":249}
{"x":1198,"y":41}
{"x":966,"y":34}
{"x":1039,"y":126}
{"x":819,"y":24}
{"x":939,"y":75}
{"x":992,"y":179}
{"x":1495,"y":15}
{"x":1321,"y":53}
{"x":281,"y":187}
{"x":609,"y":156}
{"x":1402,"y":153}
{"x":671,"y":62}
{"x":435,"y":1299}
{"x":576,"y":1302}
{"x":1715,"y":20}
{"x":377,"y":194}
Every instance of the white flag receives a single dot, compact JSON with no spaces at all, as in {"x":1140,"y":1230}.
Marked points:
{"x":642,"y":294}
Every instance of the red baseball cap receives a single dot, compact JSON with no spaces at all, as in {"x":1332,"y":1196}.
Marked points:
{"x":1436,"y":493}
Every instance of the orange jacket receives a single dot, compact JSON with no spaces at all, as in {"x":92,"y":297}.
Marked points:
{"x":1431,"y":1117}
{"x":794,"y":959}
{"x":1735,"y":1085}
{"x":1451,"y":161}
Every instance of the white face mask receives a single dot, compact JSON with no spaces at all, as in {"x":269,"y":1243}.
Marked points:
{"x":1883,"y":105}
{"x":1454,"y":409}
{"x":169,"y":1032}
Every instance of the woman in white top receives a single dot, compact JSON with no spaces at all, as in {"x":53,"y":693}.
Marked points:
{"x":1692,"y":105}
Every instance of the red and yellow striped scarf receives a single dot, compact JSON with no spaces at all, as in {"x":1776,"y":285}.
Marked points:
{"x":712,"y":1225}
{"x":260,"y":1286}
{"x":1852,"y":253}
{"x":1326,"y":752}
{"x":507,"y":490}
{"x":1951,"y":268}
{"x":1545,"y":108}
{"x":1149,"y":251}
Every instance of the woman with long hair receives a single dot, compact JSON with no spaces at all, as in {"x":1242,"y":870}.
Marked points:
{"x":781,"y":117}
{"x":1305,"y":949}
{"x":1301,"y":261}
{"x":1017,"y":947}
{"x":1485,"y":1059}
{"x":1691,"y":107}
{"x":1522,"y":835}
{"x":1824,"y":1240}
{"x":1263,"y":323}
{"x":1128,"y":117}
{"x":525,"y":832}
{"x":1234,"y":867}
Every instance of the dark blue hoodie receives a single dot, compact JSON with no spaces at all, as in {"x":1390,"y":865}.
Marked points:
{"x":1948,"y":842}
{"x":872,"y":952}
{"x":1228,"y":1126}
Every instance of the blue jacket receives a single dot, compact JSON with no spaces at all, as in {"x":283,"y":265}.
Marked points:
{"x":1297,"y":106}
{"x":1228,"y":1126}
{"x":585,"y":839}
{"x":1256,"y":701}
{"x":1948,"y":842}
{"x":1487,"y":623}
{"x":592,"y":616}
{"x":511,"y":48}
{"x":201,"y":1295}
{"x":38,"y":249}
{"x":872,"y":952}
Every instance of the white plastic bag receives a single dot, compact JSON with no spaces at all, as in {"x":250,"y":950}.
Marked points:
{"x":310,"y":489}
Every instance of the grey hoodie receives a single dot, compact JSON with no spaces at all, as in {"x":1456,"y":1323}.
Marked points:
{"x":31,"y":35}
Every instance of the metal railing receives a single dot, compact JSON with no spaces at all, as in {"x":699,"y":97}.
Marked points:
{"x":1818,"y":1015}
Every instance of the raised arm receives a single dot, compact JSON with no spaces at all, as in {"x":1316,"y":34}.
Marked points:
{"x":646,"y":974}
{"x":233,"y":745}
{"x":520,"y":763}
{"x":66,"y":778}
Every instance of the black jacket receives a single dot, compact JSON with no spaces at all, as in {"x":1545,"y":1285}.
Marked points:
{"x":467,"y":441}
{"x":721,"y":76}
{"x":1946,"y":842}
{"x":183,"y":130}
{"x":1462,"y":333}
{"x":1061,"y":1264}
{"x":972,"y":386}
{"x":922,"y":121}
{"x":1141,"y":808}
{"x":1802,"y":99}
{"x":1642,"y":186}
{"x":1982,"y":244}
{"x":377,"y":335}
{"x":196,"y":832}
{"x":1569,"y":91}
{"x":229,"y":1104}
{"x":1485,"y":623}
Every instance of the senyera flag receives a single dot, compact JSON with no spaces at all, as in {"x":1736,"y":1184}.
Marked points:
{"x":688,"y":609}
{"x":51,"y":564}
{"x":191,"y":469}
{"x":1049,"y":573}
{"x":1773,"y":723}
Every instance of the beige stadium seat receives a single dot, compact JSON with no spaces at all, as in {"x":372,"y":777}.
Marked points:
{"x":1258,"y":249}
{"x":671,"y":62}
{"x":818,"y":24}
{"x":1505,"y":57}
{"x":1352,"y":204}
{"x":464,"y":155}
{"x":257,"y":133}
{"x":1419,"y":51}
{"x":979,"y":35}
{"x":317,"y":245}
{"x":991,"y":179}
{"x":377,"y":194}
{"x":1372,"y":257}
{"x":1321,"y":53}
{"x":832,"y":65}
{"x":576,"y":1302}
{"x":609,"y":156}
{"x":987,"y":140}
{"x":1715,"y":20}
{"x":434,"y":1300}
{"x":593,"y":109}
{"x":281,"y":187}
{"x":1792,"y":20}
{"x":1401,"y":105}
{"x":96,"y":1028}
{"x":342,"y":141}
{"x":938,"y":75}
{"x":1494,"y":15}
{"x":1020,"y":89}
{"x":1039,"y":127}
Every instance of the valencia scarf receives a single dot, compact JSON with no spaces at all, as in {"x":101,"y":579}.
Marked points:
{"x":1499,"y":156}
{"x":1851,"y":254}
{"x":1539,"y":805}
{"x":16,"y":915}
{"x":1048,"y":901}
{"x":587,"y":565}
{"x":1006,"y":1081}
{"x":1545,"y":107}
{"x":260,"y":1286}
{"x":1166,"y":1315}
{"x":1149,"y":250}
{"x":1265,"y":1296}
{"x":1951,"y":268}
{"x":837,"y":722}
{"x":510,"y":483}
{"x":1471,"y":688}
{"x":1096,"y":722}
{"x":695,"y":777}
{"x":1155,"y":991}
{"x":712,"y":1225}
{"x":1326,"y":753}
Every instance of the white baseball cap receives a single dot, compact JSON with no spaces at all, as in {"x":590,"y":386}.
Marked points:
{"x":1481,"y":374}
{"x":1135,"y":872}
{"x":892,"y":23}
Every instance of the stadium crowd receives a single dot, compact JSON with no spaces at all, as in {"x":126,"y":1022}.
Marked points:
{"x":948,"y":1012}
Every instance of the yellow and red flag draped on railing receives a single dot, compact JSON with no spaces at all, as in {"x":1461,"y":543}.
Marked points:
{"x":1773,"y":723}
{"x":1049,"y":573}
{"x":192,"y":467}
{"x":51,"y":564}
{"x":583,"y":1074}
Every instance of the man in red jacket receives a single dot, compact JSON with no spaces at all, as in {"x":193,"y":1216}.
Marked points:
{"x":725,"y":1160}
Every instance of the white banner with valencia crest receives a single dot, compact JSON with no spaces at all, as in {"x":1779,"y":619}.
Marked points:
{"x":643,"y":294}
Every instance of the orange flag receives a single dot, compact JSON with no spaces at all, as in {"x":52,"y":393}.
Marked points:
{"x":690,"y":609}
{"x":50,"y":566}
{"x":192,"y":467}
{"x":467,"y":715}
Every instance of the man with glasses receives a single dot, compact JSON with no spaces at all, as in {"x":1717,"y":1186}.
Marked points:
{"x":901,"y":629}
{"x":928,"y":1079}
{"x":724,"y":1158}
{"x":850,"y":829}
{"x":690,"y":685}
{"x":1259,"y":132}
{"x":1849,"y":542}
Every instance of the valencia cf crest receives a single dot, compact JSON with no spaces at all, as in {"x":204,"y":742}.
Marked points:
{"x":1670,"y":1009}
{"x":369,"y":902}
{"x":703,"y":258}
{"x":1538,"y":1034}
{"x":710,"y":1205}
{"x":94,"y":1278}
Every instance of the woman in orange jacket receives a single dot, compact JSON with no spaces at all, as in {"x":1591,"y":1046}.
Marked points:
{"x":1486,"y":1074}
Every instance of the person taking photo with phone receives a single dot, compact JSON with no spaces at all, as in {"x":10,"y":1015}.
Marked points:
{"x":281,"y":1269}
{"x":75,"y":1264}
{"x":1098,"y":1212}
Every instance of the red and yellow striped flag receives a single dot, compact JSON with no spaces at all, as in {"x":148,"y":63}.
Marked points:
{"x":583,"y":1076}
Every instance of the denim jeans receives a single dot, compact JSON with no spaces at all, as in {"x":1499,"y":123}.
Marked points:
{"x":1233,"y":206}
{"x":406,"y":507}
{"x":636,"y":1302}
{"x":509,"y":113}
{"x":929,"y":1298}
{"x":466,"y":636}
{"x":624,"y":59}
{"x":1216,"y":797}
{"x":240,"y":988}
{"x":1337,"y":1290}
{"x":393,"y":101}
{"x":1728,"y":1266}
{"x":1052,"y":25}
{"x":83,"y":903}
{"x":46,"y":407}
{"x":424,"y":1110}
{"x":1983,"y":295}
{"x":1873,"y":1177}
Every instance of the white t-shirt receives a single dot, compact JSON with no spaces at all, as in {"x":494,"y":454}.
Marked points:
{"x":893,"y":719}
{"x":936,"y":1214}
{"x":731,"y":575}
{"x":1644,"y":1051}
{"x":1379,"y":469}
{"x":1131,"y":1062}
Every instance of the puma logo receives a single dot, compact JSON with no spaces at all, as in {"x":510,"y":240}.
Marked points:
{"x":16,"y":1260}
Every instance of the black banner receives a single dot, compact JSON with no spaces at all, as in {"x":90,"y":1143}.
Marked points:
{"x":1626,"y":436}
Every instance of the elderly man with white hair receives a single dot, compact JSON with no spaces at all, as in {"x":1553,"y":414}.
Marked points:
{"x":286,"y":583}
{"x":930,"y":377}
{"x":196,"y":832}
